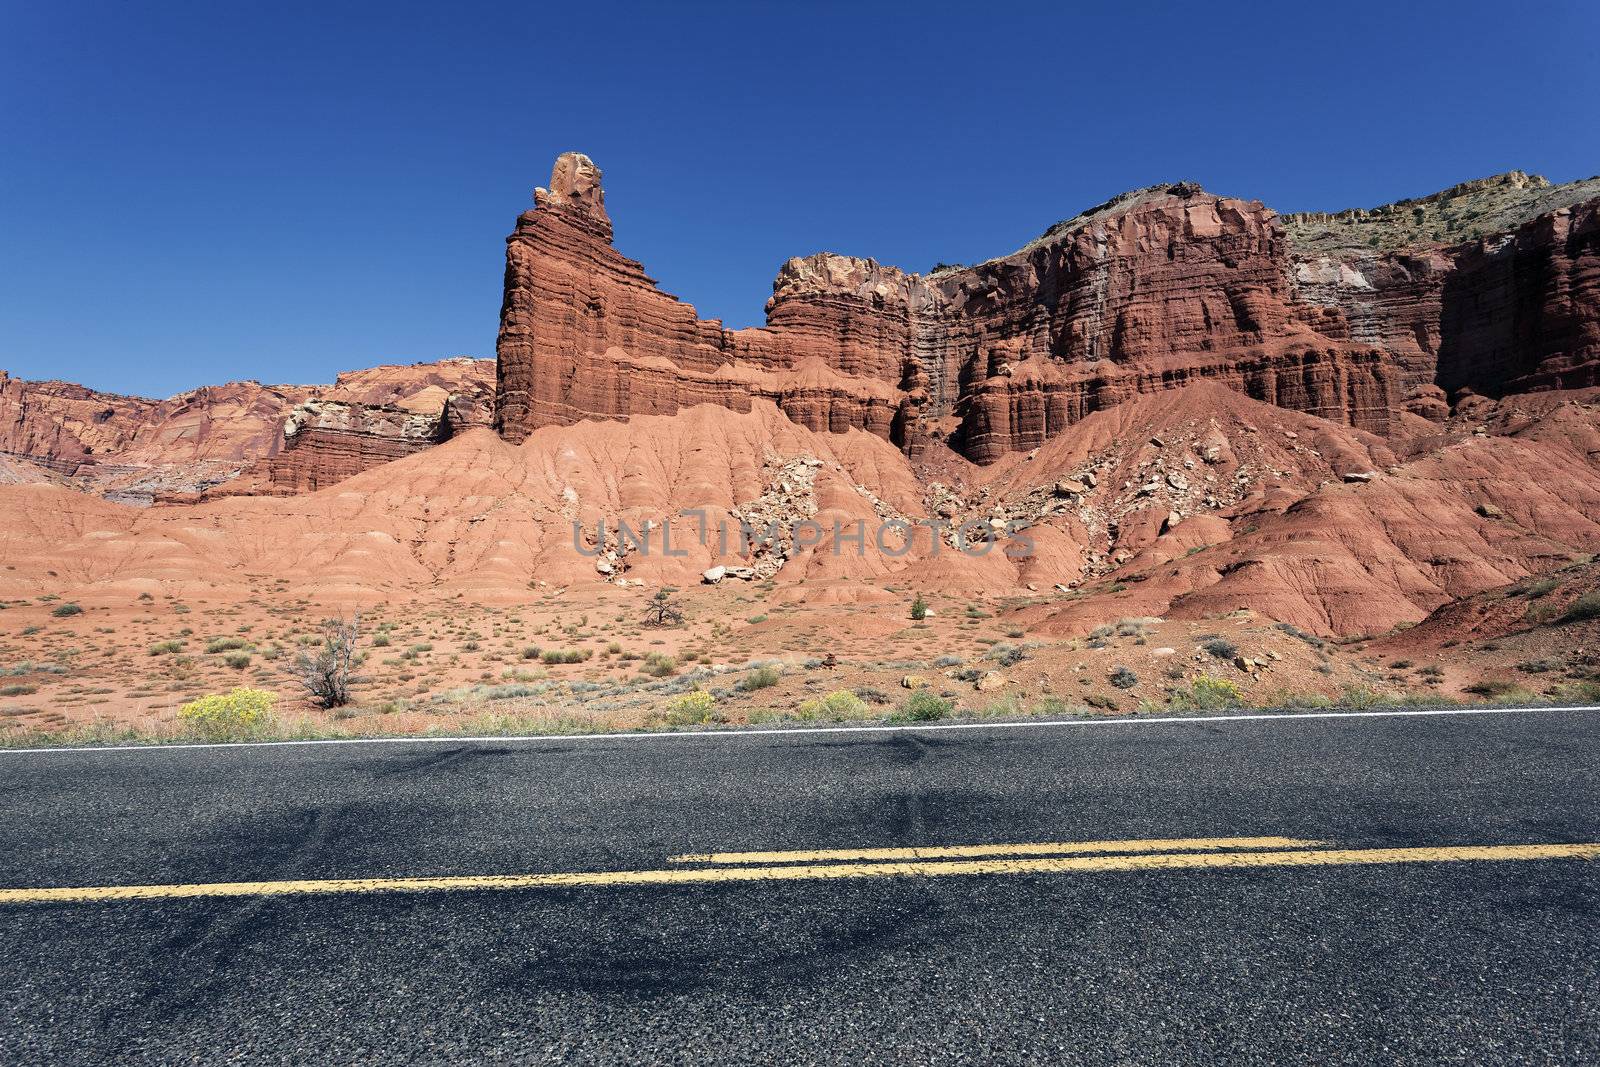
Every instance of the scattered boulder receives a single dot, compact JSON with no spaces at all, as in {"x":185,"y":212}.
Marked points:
{"x":989,"y":681}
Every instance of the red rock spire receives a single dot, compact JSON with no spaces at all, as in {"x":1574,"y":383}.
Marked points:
{"x":575,"y":189}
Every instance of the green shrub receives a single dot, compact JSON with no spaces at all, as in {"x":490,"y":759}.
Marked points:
{"x":564,"y":655}
{"x":691,"y":709}
{"x":1123,"y":678}
{"x":225,"y":644}
{"x":1360,"y":696}
{"x":919,"y":609}
{"x":1539,"y":587}
{"x":63,"y":611}
{"x":1221,"y":648}
{"x":659,"y":665}
{"x":237,"y":660}
{"x":241,"y":715}
{"x":760,"y":678}
{"x":925,"y":706}
{"x":839,"y":705}
{"x":1582,"y":692}
{"x":1584,"y":608}
{"x":1502,"y":691}
{"x":1006,"y":655}
{"x":18,"y":690}
{"x":532,"y":652}
{"x":166,"y":648}
{"x":1206,"y":693}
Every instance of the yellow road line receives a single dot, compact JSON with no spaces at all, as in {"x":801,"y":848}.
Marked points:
{"x":937,"y":868}
{"x":939,"y":852}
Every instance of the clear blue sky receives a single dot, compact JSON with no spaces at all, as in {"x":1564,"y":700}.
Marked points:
{"x":279,"y":190}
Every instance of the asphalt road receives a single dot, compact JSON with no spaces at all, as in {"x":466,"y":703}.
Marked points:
{"x":1454,"y":960}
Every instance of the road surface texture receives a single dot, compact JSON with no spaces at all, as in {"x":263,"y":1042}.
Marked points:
{"x":1269,"y":890}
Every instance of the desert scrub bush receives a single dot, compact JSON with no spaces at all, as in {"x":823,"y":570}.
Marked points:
{"x":1006,"y":654}
{"x":328,"y":673}
{"x":1285,"y":698}
{"x":1123,"y":678}
{"x":871,"y":695}
{"x":237,"y":660}
{"x":1294,"y":631}
{"x":1207,"y":693}
{"x":925,"y":706}
{"x":691,"y":709}
{"x":508,"y":692}
{"x":659,"y":665}
{"x":1581,"y":692}
{"x":1221,"y":648}
{"x":532,"y":652}
{"x":240,"y":715}
{"x":1582,"y":609}
{"x":760,"y":678}
{"x":63,"y":611}
{"x":948,"y":661}
{"x":756,"y":619}
{"x":18,"y":690}
{"x":1359,"y":697}
{"x":1539,"y":587}
{"x":919,"y":609}
{"x":166,"y":648}
{"x":1502,"y":691}
{"x":225,"y":644}
{"x":839,"y":705}
{"x":380,"y":640}
{"x":551,"y":656}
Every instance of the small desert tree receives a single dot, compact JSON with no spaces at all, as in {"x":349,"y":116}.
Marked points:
{"x":327,"y":672}
{"x":663,"y":610}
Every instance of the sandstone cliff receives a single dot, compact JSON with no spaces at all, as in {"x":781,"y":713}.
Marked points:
{"x":238,"y":437}
{"x":1492,"y":286}
{"x":1152,"y":290}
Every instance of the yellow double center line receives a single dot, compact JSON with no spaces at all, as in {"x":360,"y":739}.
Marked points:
{"x":933,"y":862}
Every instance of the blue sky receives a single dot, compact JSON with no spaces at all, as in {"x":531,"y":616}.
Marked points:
{"x":199,"y":192}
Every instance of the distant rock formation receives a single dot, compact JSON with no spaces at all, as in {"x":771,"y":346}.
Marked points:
{"x":1491,"y":287}
{"x":1152,"y":290}
{"x":242,"y":437}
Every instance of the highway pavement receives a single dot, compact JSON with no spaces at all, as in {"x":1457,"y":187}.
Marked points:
{"x":1258,"y":889}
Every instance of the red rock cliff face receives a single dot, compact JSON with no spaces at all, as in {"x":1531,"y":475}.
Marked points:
{"x":242,"y":437}
{"x":1522,"y":312}
{"x":1494,"y":287}
{"x":370,"y":417}
{"x":1151,"y":291}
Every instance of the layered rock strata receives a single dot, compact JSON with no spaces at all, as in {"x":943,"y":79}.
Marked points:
{"x":1153,"y":290}
{"x":1490,"y":287}
{"x":242,"y":436}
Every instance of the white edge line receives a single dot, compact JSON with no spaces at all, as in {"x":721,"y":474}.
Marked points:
{"x":1285,"y":716}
